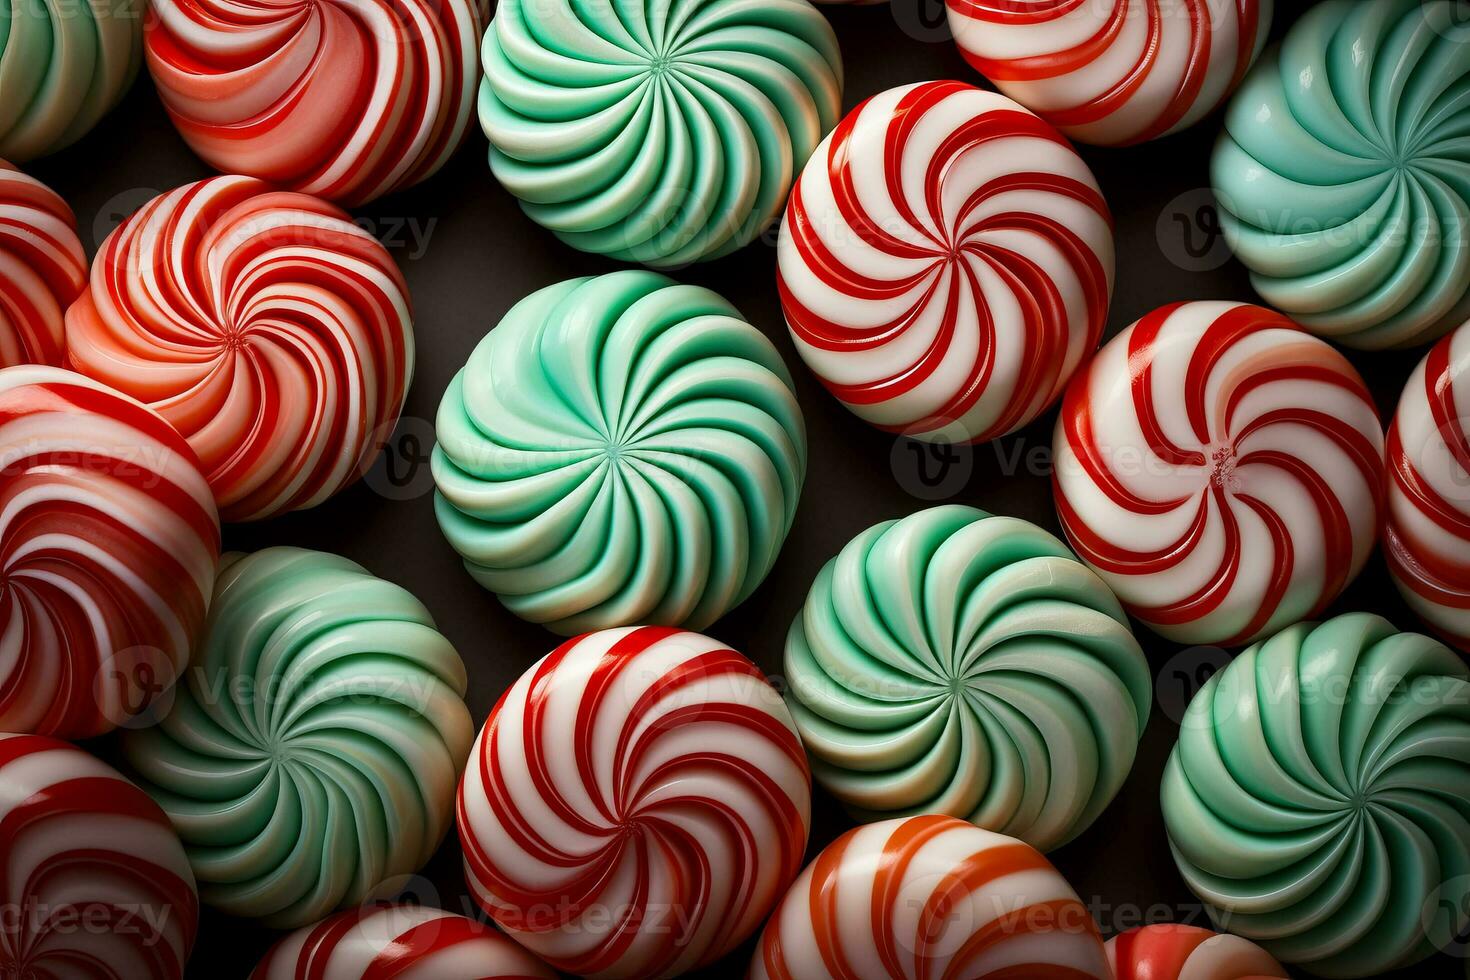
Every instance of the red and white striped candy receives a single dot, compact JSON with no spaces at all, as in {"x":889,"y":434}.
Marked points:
{"x":1175,"y":952}
{"x":1221,"y":469}
{"x":1428,"y":529}
{"x":265,"y":325}
{"x":930,"y":897}
{"x":945,"y":263}
{"x":344,"y":100}
{"x":398,"y":942}
{"x":42,"y":269}
{"x":1113,"y":72}
{"x":108,"y":544}
{"x":93,"y":881}
{"x":636,"y":804}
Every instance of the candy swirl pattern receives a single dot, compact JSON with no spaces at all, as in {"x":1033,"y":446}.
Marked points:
{"x":1221,"y":469}
{"x":954,"y":662}
{"x":946,"y":263}
{"x":1174,"y":952}
{"x":64,"y":66}
{"x":346,"y":101}
{"x":1113,"y":72}
{"x":311,"y":754}
{"x":620,"y":450}
{"x":930,"y":896}
{"x":1427,"y":537}
{"x":636,"y":804}
{"x":1343,"y":177}
{"x":1318,"y":800}
{"x":42,"y":269}
{"x":398,"y":941}
{"x":656,"y":131}
{"x":273,"y":332}
{"x":80,"y":844}
{"x":108,"y":545}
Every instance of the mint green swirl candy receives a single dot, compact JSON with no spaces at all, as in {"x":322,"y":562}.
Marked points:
{"x":1343,"y":176}
{"x":620,"y":450}
{"x":316,"y":741}
{"x":958,"y":663}
{"x":1318,"y":800}
{"x":63,"y":66}
{"x":656,"y":131}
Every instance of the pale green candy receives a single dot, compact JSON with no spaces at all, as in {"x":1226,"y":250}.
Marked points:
{"x":63,"y":65}
{"x":1343,"y":176}
{"x":656,"y":131}
{"x":315,"y":744}
{"x":1319,"y":797}
{"x":620,"y":450}
{"x":958,"y":663}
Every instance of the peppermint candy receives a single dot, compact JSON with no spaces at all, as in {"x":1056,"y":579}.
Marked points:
{"x":945,"y":263}
{"x":930,"y":896}
{"x":347,"y":101}
{"x":399,"y":941}
{"x":108,"y":544}
{"x":1113,"y":72}
{"x":273,"y":332}
{"x":636,"y":804}
{"x":42,"y":269}
{"x":1176,"y":952}
{"x":1427,"y":540}
{"x":1221,"y":469}
{"x":93,"y":881}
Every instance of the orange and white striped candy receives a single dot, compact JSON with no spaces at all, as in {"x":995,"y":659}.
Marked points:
{"x":1179,"y":952}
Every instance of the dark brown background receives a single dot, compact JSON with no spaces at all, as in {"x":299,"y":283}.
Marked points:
{"x":483,"y":254}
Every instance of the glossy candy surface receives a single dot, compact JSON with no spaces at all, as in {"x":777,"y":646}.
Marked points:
{"x":63,"y":66}
{"x":656,"y":131}
{"x":930,"y":896}
{"x":1113,"y":72}
{"x":1221,"y":469}
{"x":945,"y":263}
{"x":271,"y":330}
{"x":1343,"y":176}
{"x":399,"y":942}
{"x":1318,"y":800}
{"x":108,"y":545}
{"x":636,"y":804}
{"x":92,"y":875}
{"x":1427,"y":536}
{"x":343,"y":100}
{"x":621,"y":449}
{"x":955,"y":662}
{"x":42,"y":269}
{"x":311,"y":752}
{"x":1176,"y":952}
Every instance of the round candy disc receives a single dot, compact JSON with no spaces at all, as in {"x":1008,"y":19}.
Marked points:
{"x":64,"y":65}
{"x":398,"y":941}
{"x":108,"y":544}
{"x":93,"y":879}
{"x":1221,"y":469}
{"x":636,"y":804}
{"x":1113,"y":72}
{"x":268,"y":328}
{"x":1173,"y":952}
{"x":930,"y":896}
{"x":1343,"y":177}
{"x":42,"y":269}
{"x":945,"y":263}
{"x":312,"y":751}
{"x":343,"y":100}
{"x":620,"y":450}
{"x":656,"y":131}
{"x":1428,"y":530}
{"x":954,"y":662}
{"x":1318,"y":800}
